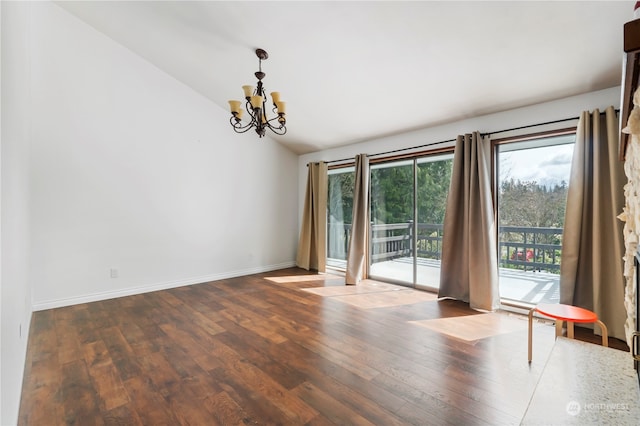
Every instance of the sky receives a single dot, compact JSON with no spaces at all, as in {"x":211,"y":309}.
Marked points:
{"x":547,"y":165}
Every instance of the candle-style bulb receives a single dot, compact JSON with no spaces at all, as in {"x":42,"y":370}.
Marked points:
{"x":248,"y":91}
{"x":234,"y":106}
{"x":256,"y":101}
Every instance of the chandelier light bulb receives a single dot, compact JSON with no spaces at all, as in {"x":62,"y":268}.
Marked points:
{"x":234,"y":106}
{"x":248,"y":91}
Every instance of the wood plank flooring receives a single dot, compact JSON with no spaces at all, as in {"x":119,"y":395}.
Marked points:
{"x":258,"y":350}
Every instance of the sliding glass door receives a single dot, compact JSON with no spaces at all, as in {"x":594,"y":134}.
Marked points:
{"x":533,"y":178}
{"x":392,"y":222}
{"x":408,"y":200}
{"x":434,"y":178}
{"x":340,"y":210}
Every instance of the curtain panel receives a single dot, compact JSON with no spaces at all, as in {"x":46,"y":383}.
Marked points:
{"x":591,"y":269}
{"x":312,"y":245}
{"x":357,"y":264}
{"x":469,"y":267}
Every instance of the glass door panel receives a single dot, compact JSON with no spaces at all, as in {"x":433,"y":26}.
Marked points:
{"x":532,"y":183}
{"x":391,"y":254}
{"x":434,"y":178}
{"x":408,"y":201}
{"x":339,"y":211}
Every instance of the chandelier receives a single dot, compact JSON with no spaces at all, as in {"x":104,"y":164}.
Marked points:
{"x":256,"y":106}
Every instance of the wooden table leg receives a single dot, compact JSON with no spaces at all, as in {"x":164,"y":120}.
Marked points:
{"x":570,"y":329}
{"x":605,"y":333}
{"x":530,"y":332}
{"x":558,"y":327}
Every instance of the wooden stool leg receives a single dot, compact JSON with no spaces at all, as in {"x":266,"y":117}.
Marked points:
{"x":605,"y":333}
{"x":558,"y":327}
{"x":570,"y":329}
{"x":530,"y":332}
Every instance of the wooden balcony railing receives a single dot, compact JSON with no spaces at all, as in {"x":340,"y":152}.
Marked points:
{"x":522,"y":248}
{"x":530,"y":249}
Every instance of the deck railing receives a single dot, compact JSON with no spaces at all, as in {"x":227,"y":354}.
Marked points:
{"x":522,"y":248}
{"x":530,"y":249}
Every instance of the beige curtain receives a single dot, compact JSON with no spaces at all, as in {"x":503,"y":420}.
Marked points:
{"x":469,"y":267}
{"x":357,"y":263}
{"x":312,"y":246}
{"x":591,"y":270}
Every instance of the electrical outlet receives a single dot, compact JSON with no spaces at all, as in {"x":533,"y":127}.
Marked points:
{"x":113,"y":272}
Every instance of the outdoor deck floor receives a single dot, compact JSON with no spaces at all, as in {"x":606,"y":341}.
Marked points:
{"x":515,"y":285}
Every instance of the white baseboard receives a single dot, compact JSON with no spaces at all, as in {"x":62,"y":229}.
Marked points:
{"x":130,"y":291}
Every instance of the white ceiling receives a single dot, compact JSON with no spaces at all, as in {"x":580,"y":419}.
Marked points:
{"x":351,"y":71}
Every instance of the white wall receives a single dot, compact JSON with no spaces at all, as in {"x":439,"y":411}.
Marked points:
{"x":15,"y":294}
{"x":107,"y":162}
{"x":133,"y":170}
{"x":535,"y":114}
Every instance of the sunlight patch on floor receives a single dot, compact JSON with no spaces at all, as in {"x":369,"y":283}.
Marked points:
{"x":364,"y":286}
{"x":476,"y":327}
{"x":387,"y":298}
{"x":303,"y":278}
{"x":373,"y":294}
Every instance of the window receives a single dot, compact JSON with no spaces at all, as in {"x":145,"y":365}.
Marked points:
{"x":532,"y":184}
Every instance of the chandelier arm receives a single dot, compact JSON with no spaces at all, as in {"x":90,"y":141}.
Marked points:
{"x":279,"y":130}
{"x":276,"y":118}
{"x":239,"y":128}
{"x":238,"y":124}
{"x":255,"y":118}
{"x":249,"y":108}
{"x":242,"y":129}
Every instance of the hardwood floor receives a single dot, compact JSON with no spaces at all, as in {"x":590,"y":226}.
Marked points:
{"x":260,"y":350}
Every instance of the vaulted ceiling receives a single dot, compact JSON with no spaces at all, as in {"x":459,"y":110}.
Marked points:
{"x":352,"y":71}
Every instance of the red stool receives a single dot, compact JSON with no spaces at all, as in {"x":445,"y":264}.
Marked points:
{"x":567,"y":313}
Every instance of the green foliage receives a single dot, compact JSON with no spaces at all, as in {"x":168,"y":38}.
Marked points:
{"x":392,"y":192}
{"x":532,"y":205}
{"x":521,"y":204}
{"x":340,"y":200}
{"x":434,"y":179}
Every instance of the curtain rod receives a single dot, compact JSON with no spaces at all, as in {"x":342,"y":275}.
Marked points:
{"x":394,"y":151}
{"x":617,"y":110}
{"x":531,"y":125}
{"x":453,"y":140}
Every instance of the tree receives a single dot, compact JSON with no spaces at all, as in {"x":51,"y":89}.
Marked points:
{"x":392,"y":194}
{"x":340,"y":199}
{"x":434,"y":179}
{"x":532,"y":205}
